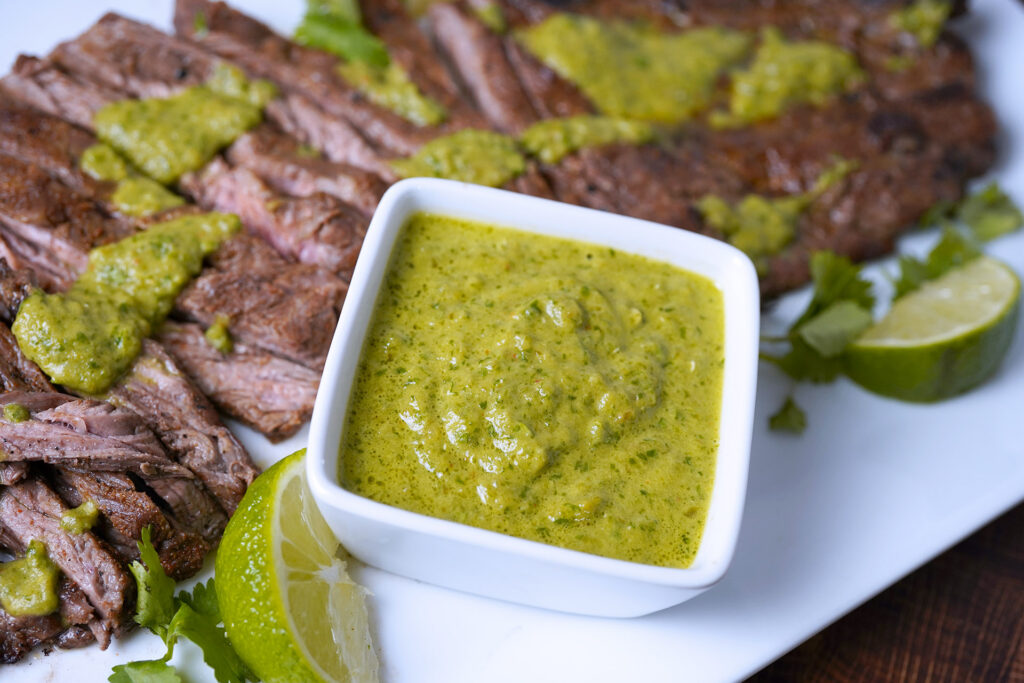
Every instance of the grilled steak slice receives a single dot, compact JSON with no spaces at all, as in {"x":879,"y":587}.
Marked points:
{"x":317,"y":229}
{"x":276,"y":399}
{"x":551,"y":95}
{"x":49,"y":143}
{"x":532,"y":182}
{"x":125,"y":513}
{"x":330,"y":135}
{"x":31,"y":510}
{"x":188,"y":426}
{"x":45,"y":86}
{"x":479,"y":56}
{"x":289,"y":309}
{"x":18,"y":373}
{"x":20,"y":635}
{"x":15,"y":285}
{"x":278,"y":160}
{"x":84,"y":433}
{"x":295,"y":69}
{"x":54,"y":225}
{"x":12,"y":472}
{"x":411,"y":49}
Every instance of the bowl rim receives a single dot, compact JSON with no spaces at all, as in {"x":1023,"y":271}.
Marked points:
{"x":421,"y":194}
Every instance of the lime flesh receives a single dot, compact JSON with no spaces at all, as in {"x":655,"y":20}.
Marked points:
{"x":289,"y":607}
{"x":942,"y":339}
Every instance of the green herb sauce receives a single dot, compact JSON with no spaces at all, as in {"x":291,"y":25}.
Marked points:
{"x":135,"y":194}
{"x":472,"y":156}
{"x":491,"y":15}
{"x":923,"y":19}
{"x":168,"y":137}
{"x":15,"y":412}
{"x":634,"y":71}
{"x":390,"y":87}
{"x":80,"y":519}
{"x":553,"y":139}
{"x":785,"y":73}
{"x":87,"y":337}
{"x":761,"y":226}
{"x":219,"y":336}
{"x":549,"y":389}
{"x":28,"y":586}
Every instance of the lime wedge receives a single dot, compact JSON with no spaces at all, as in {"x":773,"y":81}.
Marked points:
{"x":942,"y":339}
{"x":289,"y":607}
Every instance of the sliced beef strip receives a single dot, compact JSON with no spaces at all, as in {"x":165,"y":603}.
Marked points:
{"x":159,"y":392}
{"x":411,"y":49}
{"x":45,"y":86}
{"x":15,"y":285}
{"x":551,"y":95}
{"x":21,"y":635}
{"x":330,"y":135}
{"x":125,"y":513}
{"x":18,"y":373}
{"x":31,"y":510}
{"x":296,"y":69}
{"x":12,"y":472}
{"x":48,"y":142}
{"x":276,"y":399}
{"x":318,"y":229}
{"x":279,"y":161}
{"x":286,"y":308}
{"x":480,"y":58}
{"x":67,"y":628}
{"x":56,"y":225}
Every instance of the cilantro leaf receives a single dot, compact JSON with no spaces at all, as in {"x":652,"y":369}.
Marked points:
{"x":832,"y":330}
{"x":939,"y":213}
{"x":346,"y":10}
{"x":913,"y":274}
{"x":803,"y":363}
{"x":835,"y":279}
{"x":346,"y":39}
{"x":149,"y":671}
{"x":990,"y":213}
{"x":202,"y":630}
{"x":156,"y":589}
{"x":203,"y":600}
{"x":789,"y":418}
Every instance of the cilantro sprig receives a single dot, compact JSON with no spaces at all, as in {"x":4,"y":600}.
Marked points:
{"x":194,"y":616}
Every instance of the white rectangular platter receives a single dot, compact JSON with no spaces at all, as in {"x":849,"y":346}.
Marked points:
{"x":872,"y":489}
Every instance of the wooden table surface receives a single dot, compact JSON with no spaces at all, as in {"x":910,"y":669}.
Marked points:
{"x":958,"y":618}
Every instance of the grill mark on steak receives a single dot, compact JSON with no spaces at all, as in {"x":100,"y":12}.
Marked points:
{"x":31,"y":510}
{"x":277,"y":159}
{"x":318,"y":229}
{"x":263,"y":391}
{"x":289,"y":309}
{"x":295,"y":69}
{"x":480,"y":59}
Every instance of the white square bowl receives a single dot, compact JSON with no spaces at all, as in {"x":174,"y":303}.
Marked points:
{"x":505,"y":567}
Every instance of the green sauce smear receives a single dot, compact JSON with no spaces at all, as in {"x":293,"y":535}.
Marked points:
{"x":923,"y":19}
{"x":166,"y":138}
{"x":553,"y":139}
{"x":491,"y":15}
{"x":785,"y":73}
{"x":28,"y":586}
{"x":390,"y":87}
{"x":472,"y":156}
{"x":634,"y":71}
{"x":135,"y":194}
{"x":15,"y":412}
{"x":80,"y":519}
{"x":553,"y":390}
{"x":219,"y":336}
{"x":762,"y":226}
{"x":85,"y":338}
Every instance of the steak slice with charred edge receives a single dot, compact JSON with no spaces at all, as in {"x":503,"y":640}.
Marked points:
{"x":280,"y":162}
{"x":277,"y":306}
{"x":31,"y":510}
{"x":125,"y":513}
{"x":411,"y":49}
{"x":318,"y":229}
{"x":479,"y":56}
{"x":296,"y":69}
{"x":280,"y":393}
{"x":67,"y":628}
{"x":45,"y":86}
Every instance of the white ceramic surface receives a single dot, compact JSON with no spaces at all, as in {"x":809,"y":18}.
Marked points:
{"x":872,"y":489}
{"x":504,"y":567}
